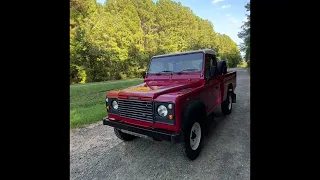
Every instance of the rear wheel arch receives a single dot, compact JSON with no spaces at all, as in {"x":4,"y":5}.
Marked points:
{"x":230,"y":86}
{"x":226,"y":91}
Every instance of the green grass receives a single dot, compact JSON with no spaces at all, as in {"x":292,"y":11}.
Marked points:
{"x":87,"y":101}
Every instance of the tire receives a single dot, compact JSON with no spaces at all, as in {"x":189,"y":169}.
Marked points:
{"x":124,"y":136}
{"x":222,"y":67}
{"x":193,"y":133}
{"x":226,"y":105}
{"x":219,"y":70}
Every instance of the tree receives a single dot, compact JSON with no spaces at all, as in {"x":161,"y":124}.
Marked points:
{"x":80,"y":12}
{"x":228,"y":50}
{"x":245,"y":36}
{"x":117,"y":39}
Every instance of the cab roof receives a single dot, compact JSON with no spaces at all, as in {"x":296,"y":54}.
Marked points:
{"x":205,"y":51}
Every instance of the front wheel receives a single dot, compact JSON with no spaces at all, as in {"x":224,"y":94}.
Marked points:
{"x":226,"y":105}
{"x":193,"y":139}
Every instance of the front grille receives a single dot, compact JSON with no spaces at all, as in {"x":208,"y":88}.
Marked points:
{"x":134,"y":109}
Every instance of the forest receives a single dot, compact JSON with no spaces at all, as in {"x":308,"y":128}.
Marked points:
{"x":244,"y":34}
{"x":116,"y":40}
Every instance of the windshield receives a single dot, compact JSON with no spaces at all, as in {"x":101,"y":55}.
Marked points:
{"x":176,"y":64}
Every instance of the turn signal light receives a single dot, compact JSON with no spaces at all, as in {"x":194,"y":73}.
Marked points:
{"x":170,"y":117}
{"x":108,"y":108}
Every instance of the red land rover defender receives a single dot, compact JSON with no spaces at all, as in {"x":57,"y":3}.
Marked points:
{"x":179,"y":91}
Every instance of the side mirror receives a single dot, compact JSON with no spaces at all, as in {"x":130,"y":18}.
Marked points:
{"x":144,"y":75}
{"x":212,"y":72}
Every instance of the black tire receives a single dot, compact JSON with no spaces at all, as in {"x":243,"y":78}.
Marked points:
{"x":124,"y":136}
{"x":194,"y":117}
{"x":222,"y":67}
{"x":226,"y":105}
{"x":219,"y":70}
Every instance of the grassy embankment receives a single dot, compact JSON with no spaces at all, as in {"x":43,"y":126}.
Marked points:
{"x":87,"y":101}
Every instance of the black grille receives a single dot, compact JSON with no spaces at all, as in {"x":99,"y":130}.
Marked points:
{"x":134,"y":109}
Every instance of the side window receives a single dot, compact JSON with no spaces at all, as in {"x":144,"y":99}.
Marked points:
{"x":208,"y":65}
{"x":214,"y":61}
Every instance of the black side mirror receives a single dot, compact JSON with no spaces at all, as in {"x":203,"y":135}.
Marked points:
{"x":212,"y":72}
{"x":144,"y":75}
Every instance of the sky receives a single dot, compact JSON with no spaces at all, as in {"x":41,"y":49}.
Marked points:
{"x":227,"y":16}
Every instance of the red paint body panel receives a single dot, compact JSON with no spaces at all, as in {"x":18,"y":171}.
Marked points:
{"x":181,"y":89}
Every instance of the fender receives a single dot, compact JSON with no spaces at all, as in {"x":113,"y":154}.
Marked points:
{"x":195,"y":107}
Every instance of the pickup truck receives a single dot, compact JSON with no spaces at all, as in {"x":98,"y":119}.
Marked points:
{"x":179,"y":92}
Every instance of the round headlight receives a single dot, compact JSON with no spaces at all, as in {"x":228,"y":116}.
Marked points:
{"x":170,"y":106}
{"x":115,"y":105}
{"x":162,"y":110}
{"x":106,"y":99}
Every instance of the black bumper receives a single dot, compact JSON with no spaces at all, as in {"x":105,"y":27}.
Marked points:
{"x":153,"y":133}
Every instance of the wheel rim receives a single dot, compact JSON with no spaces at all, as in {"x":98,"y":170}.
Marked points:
{"x":230,"y":102}
{"x":195,"y":136}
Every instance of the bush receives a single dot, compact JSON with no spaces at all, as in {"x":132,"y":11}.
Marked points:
{"x":122,"y":76}
{"x":243,"y":64}
{"x":77,"y":74}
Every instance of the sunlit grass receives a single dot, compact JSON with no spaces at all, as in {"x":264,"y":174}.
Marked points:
{"x":87,"y":101}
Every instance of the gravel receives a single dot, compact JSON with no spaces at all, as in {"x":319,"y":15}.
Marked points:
{"x":96,"y":153}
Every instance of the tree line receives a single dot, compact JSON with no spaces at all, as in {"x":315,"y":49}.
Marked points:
{"x":117,"y":39}
{"x":244,"y":34}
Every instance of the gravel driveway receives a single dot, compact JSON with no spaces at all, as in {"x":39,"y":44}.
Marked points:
{"x":96,"y":153}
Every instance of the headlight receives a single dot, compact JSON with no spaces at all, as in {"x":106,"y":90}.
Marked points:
{"x":115,"y":105}
{"x":106,"y":99}
{"x":162,"y":110}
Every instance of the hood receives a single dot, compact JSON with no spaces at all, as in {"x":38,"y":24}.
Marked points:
{"x":152,"y":89}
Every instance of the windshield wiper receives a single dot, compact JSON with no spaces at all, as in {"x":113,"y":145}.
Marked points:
{"x":189,"y":69}
{"x":158,"y":73}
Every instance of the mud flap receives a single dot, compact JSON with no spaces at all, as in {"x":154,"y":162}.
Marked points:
{"x":234,"y":97}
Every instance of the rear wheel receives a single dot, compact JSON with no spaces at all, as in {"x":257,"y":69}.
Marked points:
{"x":124,"y":136}
{"x":226,"y":105}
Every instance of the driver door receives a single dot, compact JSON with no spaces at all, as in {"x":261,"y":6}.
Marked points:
{"x":212,"y":89}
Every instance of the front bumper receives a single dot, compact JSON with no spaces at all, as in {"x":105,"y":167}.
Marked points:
{"x":153,"y":133}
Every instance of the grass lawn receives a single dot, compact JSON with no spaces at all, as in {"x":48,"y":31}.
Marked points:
{"x":87,"y":101}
